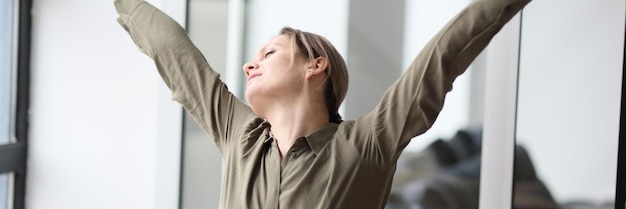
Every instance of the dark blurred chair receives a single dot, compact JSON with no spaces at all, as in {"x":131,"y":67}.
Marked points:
{"x":454,"y":183}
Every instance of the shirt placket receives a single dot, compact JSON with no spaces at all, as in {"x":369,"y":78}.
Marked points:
{"x":287,"y":163}
{"x":273,"y":175}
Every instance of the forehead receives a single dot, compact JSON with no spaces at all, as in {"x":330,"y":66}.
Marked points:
{"x":279,"y":40}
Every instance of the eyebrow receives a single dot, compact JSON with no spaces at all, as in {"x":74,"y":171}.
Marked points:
{"x":267,"y":46}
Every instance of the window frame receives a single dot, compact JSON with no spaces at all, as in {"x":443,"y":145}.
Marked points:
{"x":13,"y":156}
{"x":620,"y":186}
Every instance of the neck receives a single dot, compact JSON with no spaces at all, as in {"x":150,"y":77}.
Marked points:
{"x":292,"y":121}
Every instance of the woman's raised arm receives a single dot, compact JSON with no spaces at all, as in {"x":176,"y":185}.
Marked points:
{"x":185,"y":70}
{"x":411,"y":105}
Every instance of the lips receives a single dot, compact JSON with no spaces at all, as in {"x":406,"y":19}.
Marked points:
{"x":253,"y":76}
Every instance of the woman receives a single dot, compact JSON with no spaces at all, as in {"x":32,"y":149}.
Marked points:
{"x":290,"y":148}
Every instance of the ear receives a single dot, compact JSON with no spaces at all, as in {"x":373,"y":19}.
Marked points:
{"x":317,"y":67}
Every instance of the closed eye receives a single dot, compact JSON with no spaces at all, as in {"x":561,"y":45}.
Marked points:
{"x":269,"y":53}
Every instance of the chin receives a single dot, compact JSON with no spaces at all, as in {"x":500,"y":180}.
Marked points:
{"x":250,"y":99}
{"x":250,"y":96}
{"x":255,"y":102}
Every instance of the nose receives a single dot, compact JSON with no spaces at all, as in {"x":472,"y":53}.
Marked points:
{"x":249,"y":67}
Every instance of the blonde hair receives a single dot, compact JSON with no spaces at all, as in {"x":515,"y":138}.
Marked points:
{"x":312,"y":46}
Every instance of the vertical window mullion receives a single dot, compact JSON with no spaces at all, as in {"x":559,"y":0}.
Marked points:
{"x":620,"y":191}
{"x":14,"y":100}
{"x":22,"y":99}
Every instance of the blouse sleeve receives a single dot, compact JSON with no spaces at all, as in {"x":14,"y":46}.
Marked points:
{"x":411,"y":105}
{"x":184,"y":70}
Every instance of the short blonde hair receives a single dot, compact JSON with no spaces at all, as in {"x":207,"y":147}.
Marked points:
{"x":312,"y":46}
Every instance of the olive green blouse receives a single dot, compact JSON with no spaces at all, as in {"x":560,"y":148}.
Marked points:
{"x":345,"y":165}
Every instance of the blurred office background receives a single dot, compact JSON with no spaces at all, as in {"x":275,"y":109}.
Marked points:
{"x":103,"y":132}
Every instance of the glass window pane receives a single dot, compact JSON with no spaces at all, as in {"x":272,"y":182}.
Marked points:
{"x":4,"y":190}
{"x":569,"y":104}
{"x":6,"y":69}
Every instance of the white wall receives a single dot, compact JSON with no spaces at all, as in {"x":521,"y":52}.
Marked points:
{"x":498,"y":142}
{"x":103,"y":132}
{"x":569,"y":96}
